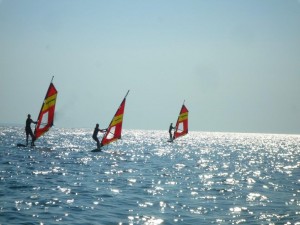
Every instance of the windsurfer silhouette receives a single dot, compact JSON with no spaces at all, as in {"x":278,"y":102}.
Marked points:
{"x":29,"y":131}
{"x":170,"y":131}
{"x":96,"y":130}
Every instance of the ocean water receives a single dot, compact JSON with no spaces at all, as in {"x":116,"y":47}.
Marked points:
{"x":202,"y":178}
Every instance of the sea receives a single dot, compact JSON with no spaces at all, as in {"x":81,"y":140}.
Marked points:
{"x":200,"y":178}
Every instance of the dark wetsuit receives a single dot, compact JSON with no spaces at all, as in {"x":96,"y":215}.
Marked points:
{"x":96,"y":130}
{"x":29,"y":131}
{"x":170,"y":131}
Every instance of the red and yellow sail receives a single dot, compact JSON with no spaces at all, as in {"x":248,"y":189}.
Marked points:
{"x":181,"y":127}
{"x":114,"y":130}
{"x":46,"y":116}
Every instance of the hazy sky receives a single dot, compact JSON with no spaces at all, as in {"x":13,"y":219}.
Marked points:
{"x":236,"y":63}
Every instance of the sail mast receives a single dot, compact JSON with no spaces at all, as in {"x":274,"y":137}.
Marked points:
{"x":46,"y":95}
{"x":46,"y":115}
{"x":181,"y":127}
{"x":114,"y":130}
{"x":126,"y":94}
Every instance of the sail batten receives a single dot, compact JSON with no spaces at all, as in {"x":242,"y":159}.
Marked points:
{"x":181,"y":127}
{"x":46,"y":115}
{"x":114,"y":130}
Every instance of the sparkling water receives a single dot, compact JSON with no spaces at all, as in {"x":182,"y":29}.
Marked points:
{"x":201,"y":178}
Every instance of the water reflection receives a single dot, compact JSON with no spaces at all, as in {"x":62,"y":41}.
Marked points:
{"x":202,"y":178}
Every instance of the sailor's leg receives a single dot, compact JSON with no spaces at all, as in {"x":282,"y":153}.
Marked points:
{"x":27,"y":135}
{"x":98,"y":144}
{"x":32,"y":138}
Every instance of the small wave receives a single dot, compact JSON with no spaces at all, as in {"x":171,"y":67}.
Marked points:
{"x":203,"y":178}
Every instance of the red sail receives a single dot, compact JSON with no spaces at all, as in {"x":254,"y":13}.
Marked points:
{"x":46,"y":116}
{"x":114,"y":130}
{"x":181,"y":127}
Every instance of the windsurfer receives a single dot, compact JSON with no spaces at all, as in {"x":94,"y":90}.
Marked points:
{"x":29,"y":131}
{"x":96,"y":130}
{"x":170,"y":131}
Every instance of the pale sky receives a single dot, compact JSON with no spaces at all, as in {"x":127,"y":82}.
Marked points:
{"x":235,"y":63}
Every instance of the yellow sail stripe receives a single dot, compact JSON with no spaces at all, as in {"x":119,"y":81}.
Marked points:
{"x":183,"y":117}
{"x":49,"y":102}
{"x":116,"y":120}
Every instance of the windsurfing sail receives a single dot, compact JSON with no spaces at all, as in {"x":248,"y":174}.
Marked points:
{"x":46,"y":116}
{"x":181,"y":127}
{"x":114,"y":130}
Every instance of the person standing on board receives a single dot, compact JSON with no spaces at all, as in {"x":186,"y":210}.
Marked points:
{"x":170,"y":131}
{"x":96,"y":130}
{"x":29,"y":131}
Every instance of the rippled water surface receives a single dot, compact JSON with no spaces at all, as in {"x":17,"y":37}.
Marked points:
{"x":202,"y":178}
